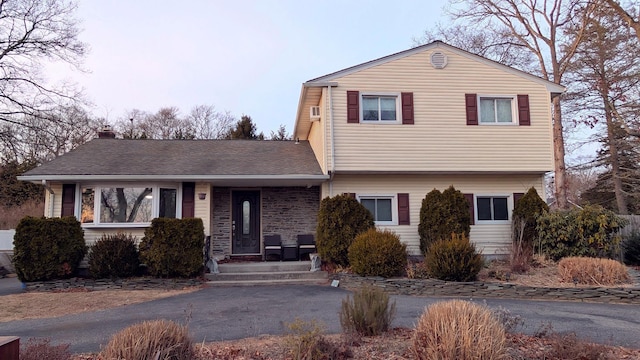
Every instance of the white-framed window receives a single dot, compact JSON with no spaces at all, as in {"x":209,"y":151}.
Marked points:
{"x":127,"y":204}
{"x":492,"y":208}
{"x":382,"y":207}
{"x":497,"y":110}
{"x":381,"y":108}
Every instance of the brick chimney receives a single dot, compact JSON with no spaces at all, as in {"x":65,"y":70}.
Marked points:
{"x":106,"y":133}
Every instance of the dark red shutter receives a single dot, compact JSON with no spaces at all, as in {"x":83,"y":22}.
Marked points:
{"x":351,"y":195}
{"x":516,"y":198}
{"x":523,"y":110}
{"x":471,"y":105}
{"x":407,"y":108}
{"x":403,"y":209}
{"x":188,"y":199}
{"x":68,"y":200}
{"x":353,"y":107}
{"x":472,"y":212}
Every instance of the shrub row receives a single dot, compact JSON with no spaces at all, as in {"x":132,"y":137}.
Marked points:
{"x":52,"y":248}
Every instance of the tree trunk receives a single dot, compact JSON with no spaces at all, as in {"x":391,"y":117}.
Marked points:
{"x":558,"y":155}
{"x":621,"y":200}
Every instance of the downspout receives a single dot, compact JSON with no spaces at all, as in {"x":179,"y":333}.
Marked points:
{"x":52,"y":196}
{"x":333,"y":152}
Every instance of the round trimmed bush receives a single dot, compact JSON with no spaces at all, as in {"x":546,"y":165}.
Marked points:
{"x":377,"y":253}
{"x":455,"y":259}
{"x":114,"y":256}
{"x":159,"y":339}
{"x":458,"y":329}
{"x":340,"y":219}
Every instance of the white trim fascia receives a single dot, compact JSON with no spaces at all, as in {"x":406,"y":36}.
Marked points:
{"x":414,"y":172}
{"x":156,"y":178}
{"x":303,"y":95}
{"x":550,"y":86}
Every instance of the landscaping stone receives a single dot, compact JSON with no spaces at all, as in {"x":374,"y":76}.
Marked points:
{"x":433,"y":287}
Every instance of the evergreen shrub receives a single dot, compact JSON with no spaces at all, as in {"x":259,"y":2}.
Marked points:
{"x":453,"y":259}
{"x":378,"y":253}
{"x":590,"y":231}
{"x":442,"y":214}
{"x":114,"y":256}
{"x":173,"y":247}
{"x":631,"y":249}
{"x":340,"y":219}
{"x":47,"y":248}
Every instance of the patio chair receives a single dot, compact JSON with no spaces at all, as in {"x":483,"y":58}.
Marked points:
{"x":306,"y":246}
{"x":272,"y":247}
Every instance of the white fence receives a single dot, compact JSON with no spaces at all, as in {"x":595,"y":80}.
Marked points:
{"x":6,"y":240}
{"x":633,"y":227}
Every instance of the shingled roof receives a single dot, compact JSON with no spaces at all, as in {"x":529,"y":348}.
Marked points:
{"x":116,"y":159}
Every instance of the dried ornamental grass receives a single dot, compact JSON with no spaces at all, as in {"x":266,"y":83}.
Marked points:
{"x":157,"y":340}
{"x":592,"y":271}
{"x":459,"y":329}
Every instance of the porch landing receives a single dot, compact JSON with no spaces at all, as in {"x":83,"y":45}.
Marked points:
{"x":266,"y":272}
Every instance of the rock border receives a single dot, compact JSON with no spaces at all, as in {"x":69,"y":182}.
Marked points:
{"x":142,"y":283}
{"x":434,"y":287}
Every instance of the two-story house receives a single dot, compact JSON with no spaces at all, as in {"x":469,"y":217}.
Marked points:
{"x":386,"y":131}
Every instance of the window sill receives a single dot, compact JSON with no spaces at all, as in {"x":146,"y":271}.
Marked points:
{"x":116,"y":226}
{"x":493,"y":222}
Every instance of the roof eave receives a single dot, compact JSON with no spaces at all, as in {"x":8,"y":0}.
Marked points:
{"x":75,"y":178}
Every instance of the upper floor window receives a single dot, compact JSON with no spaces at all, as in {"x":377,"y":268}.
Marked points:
{"x":379,"y":108}
{"x":492,"y":208}
{"x":497,"y":110}
{"x":381,"y":207}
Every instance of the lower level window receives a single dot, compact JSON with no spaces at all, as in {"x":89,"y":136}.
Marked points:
{"x":380,"y":207}
{"x":492,"y":208}
{"x":122,"y":205}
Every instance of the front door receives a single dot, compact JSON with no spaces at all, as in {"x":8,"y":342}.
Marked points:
{"x":245,"y":224}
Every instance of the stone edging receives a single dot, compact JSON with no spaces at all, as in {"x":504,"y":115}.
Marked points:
{"x":434,"y":287}
{"x":143,"y":283}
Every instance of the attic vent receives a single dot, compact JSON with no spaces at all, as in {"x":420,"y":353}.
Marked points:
{"x":314,"y":113}
{"x":438,"y":60}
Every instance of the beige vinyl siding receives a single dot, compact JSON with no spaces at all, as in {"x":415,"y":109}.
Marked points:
{"x":317,"y":134}
{"x":440,"y":140}
{"x":491,"y":239}
{"x":203,"y":207}
{"x":91,"y":235}
{"x":57,"y":200}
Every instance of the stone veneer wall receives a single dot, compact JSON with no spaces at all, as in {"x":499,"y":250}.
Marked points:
{"x":287,"y":211}
{"x":221,"y":221}
{"x":290,"y":211}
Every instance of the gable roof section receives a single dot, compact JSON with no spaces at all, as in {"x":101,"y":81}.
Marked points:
{"x":116,"y":159}
{"x":551,"y":86}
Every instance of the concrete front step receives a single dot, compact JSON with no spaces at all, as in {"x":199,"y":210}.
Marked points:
{"x":287,"y":275}
{"x":267,"y":266}
{"x":261,"y":273}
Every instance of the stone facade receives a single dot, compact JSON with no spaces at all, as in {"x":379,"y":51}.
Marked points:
{"x":287,"y":211}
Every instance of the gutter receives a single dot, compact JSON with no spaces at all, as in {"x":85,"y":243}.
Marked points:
{"x":52,"y":197}
{"x":71,"y":177}
{"x":332,"y":144}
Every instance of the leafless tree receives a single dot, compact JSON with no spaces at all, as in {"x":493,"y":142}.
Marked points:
{"x":31,"y":32}
{"x":41,"y":138}
{"x":280,"y":135}
{"x":540,"y":27}
{"x":628,"y":13}
{"x":207,"y":123}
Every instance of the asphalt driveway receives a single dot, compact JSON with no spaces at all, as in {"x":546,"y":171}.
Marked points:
{"x":225,"y":313}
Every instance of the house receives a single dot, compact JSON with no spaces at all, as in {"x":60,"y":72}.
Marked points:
{"x":387,"y":131}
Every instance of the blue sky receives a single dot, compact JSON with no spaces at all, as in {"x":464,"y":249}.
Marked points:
{"x":247,"y":57}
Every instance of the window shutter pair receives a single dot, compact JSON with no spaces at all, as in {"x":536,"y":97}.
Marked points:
{"x":353,"y":107}
{"x":404,"y":217}
{"x":471,"y":106}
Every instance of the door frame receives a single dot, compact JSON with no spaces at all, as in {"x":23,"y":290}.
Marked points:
{"x":257,"y":225}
